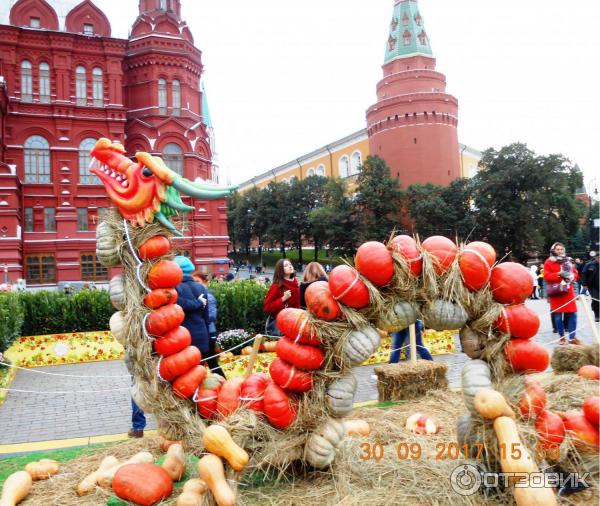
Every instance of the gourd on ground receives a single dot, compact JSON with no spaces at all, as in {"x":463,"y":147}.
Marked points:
{"x":106,"y":476}
{"x":211,"y":471}
{"x":217,"y":440}
{"x":88,"y":484}
{"x":174,"y":464}
{"x":42,"y":469}
{"x":15,"y":488}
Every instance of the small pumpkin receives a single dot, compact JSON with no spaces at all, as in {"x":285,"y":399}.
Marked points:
{"x":160,"y":297}
{"x":533,"y":399}
{"x":442,"y":252}
{"x":321,"y":446}
{"x":279,"y":408}
{"x":217,"y":440}
{"x":518,"y":320}
{"x":320,"y":301}
{"x":550,"y":428}
{"x":179,"y":363}
{"x":360,"y":344}
{"x":269,"y":346}
{"x":340,"y":396}
{"x":228,"y":399}
{"x":246,"y":350}
{"x":117,"y":327}
{"x":347,"y":287}
{"x":475,"y":375}
{"x":589,"y":371}
{"x":357,"y":427}
{"x":582,"y":432}
{"x":303,"y":356}
{"x":252,"y":393}
{"x":290,"y":378}
{"x":591,"y":410}
{"x":206,"y":402}
{"x":143,"y":484}
{"x":406,"y":247}
{"x":164,"y":274}
{"x":421,"y":424}
{"x":172,"y":341}
{"x":163,"y":319}
{"x":293,"y":323}
{"x":444,"y":315}
{"x":186,"y":384}
{"x":154,"y":247}
{"x":107,"y":245}
{"x":374,"y":261}
{"x":404,"y":313}
{"x":526,"y":356}
{"x":484,"y":249}
{"x":474,"y":269}
{"x":510,"y":283}
{"x":491,"y":404}
{"x":116,"y":291}
{"x":472,"y":342}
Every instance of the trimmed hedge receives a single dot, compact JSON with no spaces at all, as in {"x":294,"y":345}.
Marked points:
{"x":44,"y":312}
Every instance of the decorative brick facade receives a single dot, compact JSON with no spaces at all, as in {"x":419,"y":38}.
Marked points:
{"x":62,"y":88}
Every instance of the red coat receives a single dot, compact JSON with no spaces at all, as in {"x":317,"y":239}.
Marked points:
{"x":273,"y":303}
{"x":551,"y":270}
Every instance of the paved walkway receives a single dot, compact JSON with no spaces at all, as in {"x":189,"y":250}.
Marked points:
{"x":99,"y":404}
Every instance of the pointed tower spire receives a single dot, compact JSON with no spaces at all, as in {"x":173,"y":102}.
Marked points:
{"x":407,"y":35}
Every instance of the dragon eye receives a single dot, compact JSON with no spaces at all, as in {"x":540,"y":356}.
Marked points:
{"x":147,"y":172}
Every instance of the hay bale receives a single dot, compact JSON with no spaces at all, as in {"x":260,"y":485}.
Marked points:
{"x":571,"y":357}
{"x":594,"y":353}
{"x":397,"y":382}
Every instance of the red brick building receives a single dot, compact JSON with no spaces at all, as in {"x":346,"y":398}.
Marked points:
{"x":64,"y":83}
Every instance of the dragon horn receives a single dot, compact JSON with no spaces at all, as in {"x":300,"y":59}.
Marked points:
{"x":200,"y":192}
{"x":165,"y":221}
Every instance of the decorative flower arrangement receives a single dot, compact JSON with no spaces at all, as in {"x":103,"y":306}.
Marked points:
{"x":232,"y":340}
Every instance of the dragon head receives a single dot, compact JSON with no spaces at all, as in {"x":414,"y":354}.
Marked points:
{"x":147,"y":189}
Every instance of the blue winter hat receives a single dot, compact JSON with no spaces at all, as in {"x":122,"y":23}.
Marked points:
{"x":185,"y":263}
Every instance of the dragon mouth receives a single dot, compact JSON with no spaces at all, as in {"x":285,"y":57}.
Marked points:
{"x":115,"y":179}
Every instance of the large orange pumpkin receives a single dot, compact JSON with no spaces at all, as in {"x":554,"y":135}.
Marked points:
{"x":584,"y":435}
{"x":406,"y":247}
{"x":154,"y":247}
{"x":303,"y":356}
{"x":442,"y":251}
{"x":347,"y":287}
{"x":280,"y":409}
{"x":228,"y":399}
{"x":293,"y":323}
{"x":525,"y":355}
{"x":321,"y":303}
{"x":163,"y":319}
{"x":519,"y":321}
{"x":550,"y":428}
{"x":374,"y":261}
{"x":164,"y":274}
{"x":253,"y":391}
{"x":172,"y":341}
{"x":484,"y":249}
{"x":474,"y":268}
{"x":511,"y":283}
{"x":186,"y":384}
{"x":143,"y":484}
{"x":179,"y":363}
{"x":160,"y":297}
{"x":290,"y":378}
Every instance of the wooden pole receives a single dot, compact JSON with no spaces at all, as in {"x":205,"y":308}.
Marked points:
{"x":252,"y":357}
{"x":413,"y":343}
{"x":586,"y":310}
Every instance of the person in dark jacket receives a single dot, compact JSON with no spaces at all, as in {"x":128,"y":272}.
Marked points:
{"x":313,"y":272}
{"x":193,"y":299}
{"x":590,"y":281}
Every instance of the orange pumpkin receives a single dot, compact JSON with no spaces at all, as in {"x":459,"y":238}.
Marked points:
{"x":525,"y":355}
{"x":347,"y":287}
{"x":442,"y":251}
{"x":550,"y":428}
{"x":511,"y":283}
{"x":163,"y":319}
{"x":519,"y":321}
{"x":154,"y":247}
{"x":303,"y":356}
{"x":293,"y":323}
{"x":484,"y":249}
{"x":228,"y":399}
{"x":584,"y":435}
{"x":164,"y":274}
{"x":172,"y":341}
{"x":533,"y":399}
{"x":374,"y":261}
{"x":186,"y":384}
{"x":143,"y":484}
{"x":206,"y":402}
{"x":179,"y":363}
{"x":474,"y":269}
{"x":160,"y":297}
{"x":290,"y":378}
{"x":321,"y":303}
{"x":280,"y":409}
{"x":253,"y":391}
{"x":590,"y":372}
{"x":406,"y":247}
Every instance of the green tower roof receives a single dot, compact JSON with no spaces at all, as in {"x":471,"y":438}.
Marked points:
{"x":205,"y":110}
{"x":407,"y":36}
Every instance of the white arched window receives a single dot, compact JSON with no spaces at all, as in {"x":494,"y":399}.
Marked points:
{"x":44,"y":82}
{"x":320,"y":170}
{"x":84,"y":162}
{"x":97,"y":87}
{"x":311,"y":172}
{"x":26,"y":95}
{"x":162,"y":96}
{"x":355,"y":162}
{"x":173,"y":158}
{"x":37,"y":160}
{"x":344,"y":166}
{"x":80,"y":86}
{"x":176,"y":98}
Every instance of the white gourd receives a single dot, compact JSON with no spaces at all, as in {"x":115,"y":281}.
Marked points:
{"x":116,"y":290}
{"x":404,"y":314}
{"x":117,"y":327}
{"x":321,"y":446}
{"x":361,"y":344}
{"x":107,"y":247}
{"x":444,"y":315}
{"x":340,"y":396}
{"x":476,"y":375}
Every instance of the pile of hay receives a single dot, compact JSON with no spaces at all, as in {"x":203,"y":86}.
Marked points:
{"x":572,"y":357}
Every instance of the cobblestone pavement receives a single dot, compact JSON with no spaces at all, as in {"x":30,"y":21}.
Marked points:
{"x":99,"y":403}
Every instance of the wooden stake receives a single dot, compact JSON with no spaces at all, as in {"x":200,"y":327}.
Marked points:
{"x":586,"y":309}
{"x":252,"y":356}
{"x":413,"y":343}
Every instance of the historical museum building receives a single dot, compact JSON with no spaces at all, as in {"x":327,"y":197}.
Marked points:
{"x":412,"y":126}
{"x":64,"y":83}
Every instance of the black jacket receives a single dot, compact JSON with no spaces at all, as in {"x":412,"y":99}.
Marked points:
{"x":304,"y":286}
{"x":590,"y":275}
{"x":196,"y":313}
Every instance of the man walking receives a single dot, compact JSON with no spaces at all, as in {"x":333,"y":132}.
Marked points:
{"x":590,"y":281}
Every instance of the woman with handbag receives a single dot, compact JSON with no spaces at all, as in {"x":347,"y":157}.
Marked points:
{"x":560,"y":273}
{"x":284,"y":292}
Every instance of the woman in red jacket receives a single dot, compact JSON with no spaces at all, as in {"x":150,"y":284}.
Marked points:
{"x":559,"y":268}
{"x":284,"y":292}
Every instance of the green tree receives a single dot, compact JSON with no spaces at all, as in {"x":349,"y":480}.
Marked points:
{"x":233,"y":200}
{"x":524,"y":201}
{"x":377,"y":200}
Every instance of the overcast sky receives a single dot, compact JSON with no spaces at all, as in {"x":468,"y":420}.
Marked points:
{"x":286,"y":77}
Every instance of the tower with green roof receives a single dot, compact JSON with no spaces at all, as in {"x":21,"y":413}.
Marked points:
{"x":413,"y":124}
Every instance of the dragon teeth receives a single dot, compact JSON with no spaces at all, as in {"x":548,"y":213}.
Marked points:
{"x":119,"y":178}
{"x":125,"y":184}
